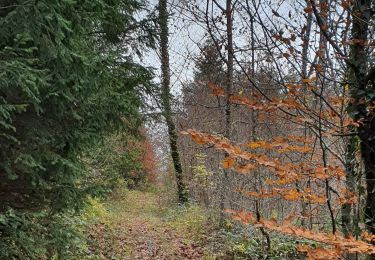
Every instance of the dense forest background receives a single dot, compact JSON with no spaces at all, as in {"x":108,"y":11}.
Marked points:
{"x":187,"y":129}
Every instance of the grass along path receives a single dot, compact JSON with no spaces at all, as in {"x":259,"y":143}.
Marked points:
{"x":138,"y":225}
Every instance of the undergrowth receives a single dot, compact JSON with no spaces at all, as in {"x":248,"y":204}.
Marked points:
{"x":117,"y":222}
{"x":130,"y":224}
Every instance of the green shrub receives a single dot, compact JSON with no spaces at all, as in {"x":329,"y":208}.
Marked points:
{"x":41,"y":236}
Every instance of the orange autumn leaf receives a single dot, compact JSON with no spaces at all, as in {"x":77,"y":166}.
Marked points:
{"x":228,"y":162}
{"x":257,"y":144}
{"x":368,"y":237}
{"x":216,"y":90}
{"x":198,"y":139}
{"x":292,"y":195}
{"x":245,"y":168}
{"x":320,"y":253}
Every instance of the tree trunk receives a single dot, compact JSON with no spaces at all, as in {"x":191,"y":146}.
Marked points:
{"x":348,"y":224}
{"x":362,"y":91}
{"x":304,"y":74}
{"x":166,"y":101}
{"x":230,"y":53}
{"x":321,"y":75}
{"x":228,"y":91}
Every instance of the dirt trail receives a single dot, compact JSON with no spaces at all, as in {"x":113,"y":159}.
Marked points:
{"x":137,"y":229}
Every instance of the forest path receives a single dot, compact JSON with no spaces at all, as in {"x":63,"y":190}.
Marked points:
{"x":136,"y":225}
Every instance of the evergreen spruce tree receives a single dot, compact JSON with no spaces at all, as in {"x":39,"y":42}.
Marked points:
{"x":67,"y":78}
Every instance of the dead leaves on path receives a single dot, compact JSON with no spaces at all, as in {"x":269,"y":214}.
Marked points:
{"x":139,"y":240}
{"x":162,"y":244}
{"x":136,"y":231}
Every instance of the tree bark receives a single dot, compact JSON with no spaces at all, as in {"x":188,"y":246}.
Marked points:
{"x":347,"y":217}
{"x":304,"y":74}
{"x":230,"y":67}
{"x":166,"y":101}
{"x":228,"y":92}
{"x":362,"y":89}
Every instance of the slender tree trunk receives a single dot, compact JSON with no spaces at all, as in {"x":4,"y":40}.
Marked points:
{"x":321,"y":75}
{"x":254,"y":134}
{"x":305,"y":59}
{"x":348,"y":224}
{"x":166,"y":101}
{"x":228,"y":90}
{"x":230,"y":67}
{"x":306,"y":42}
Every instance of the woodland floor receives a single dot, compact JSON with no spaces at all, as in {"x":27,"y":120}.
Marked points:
{"x":137,"y":225}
